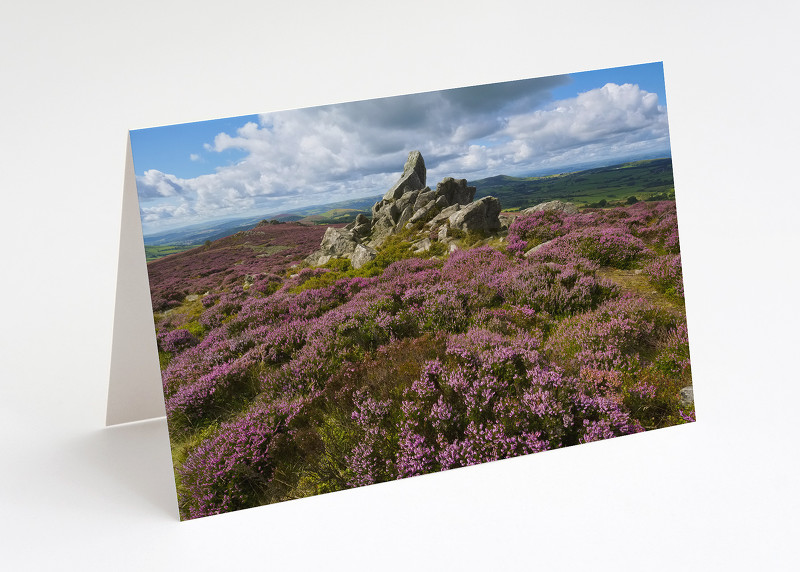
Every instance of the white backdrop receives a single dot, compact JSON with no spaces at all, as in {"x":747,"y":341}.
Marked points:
{"x":716,"y":495}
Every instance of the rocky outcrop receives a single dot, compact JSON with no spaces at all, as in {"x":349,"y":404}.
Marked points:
{"x":412,"y":205}
{"x":567,"y":208}
{"x":479,"y":216}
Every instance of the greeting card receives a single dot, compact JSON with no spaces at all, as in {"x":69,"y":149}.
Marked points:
{"x":363,"y":292}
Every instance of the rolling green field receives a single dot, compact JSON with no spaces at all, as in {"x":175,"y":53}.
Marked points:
{"x":641,"y":179}
{"x":336,"y":216}
{"x":153,"y":252}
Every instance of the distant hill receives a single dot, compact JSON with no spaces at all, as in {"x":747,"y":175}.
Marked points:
{"x":641,"y":179}
{"x":332,"y":213}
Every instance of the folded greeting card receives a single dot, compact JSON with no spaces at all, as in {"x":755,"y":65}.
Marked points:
{"x":368,"y":291}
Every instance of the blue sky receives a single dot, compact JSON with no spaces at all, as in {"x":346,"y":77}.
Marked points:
{"x":265,"y":164}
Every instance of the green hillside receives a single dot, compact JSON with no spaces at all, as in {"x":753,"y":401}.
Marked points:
{"x":642,"y":179}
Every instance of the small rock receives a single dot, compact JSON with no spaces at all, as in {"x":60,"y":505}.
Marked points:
{"x":361,"y":255}
{"x":422,"y":245}
{"x":687,"y":396}
{"x":535,"y":248}
{"x":567,"y":208}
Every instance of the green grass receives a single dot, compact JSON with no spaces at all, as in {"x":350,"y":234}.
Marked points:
{"x":641,"y":179}
{"x":154,"y":252}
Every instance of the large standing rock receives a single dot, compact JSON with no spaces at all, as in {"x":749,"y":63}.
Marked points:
{"x":408,"y":182}
{"x":416,"y":163}
{"x":412,"y":179}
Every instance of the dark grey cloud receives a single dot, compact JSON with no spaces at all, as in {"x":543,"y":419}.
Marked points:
{"x":355,"y":149}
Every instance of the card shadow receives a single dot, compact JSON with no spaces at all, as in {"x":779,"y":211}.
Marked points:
{"x":136,"y":457}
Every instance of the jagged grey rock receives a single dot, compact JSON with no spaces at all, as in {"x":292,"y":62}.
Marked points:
{"x":455,"y":191}
{"x":338,"y":241}
{"x":422,"y":213}
{"x":481,"y":215}
{"x":567,"y":208}
{"x":407,"y":200}
{"x":407,"y":182}
{"x":405,"y":216}
{"x":450,"y":206}
{"x":416,"y":164}
{"x":335,"y":242}
{"x":493,"y":209}
{"x":422,"y":245}
{"x":381,"y":230}
{"x":362,"y":230}
{"x":361,"y":255}
{"x":360,"y":219}
{"x":423,"y":198}
{"x":443,"y":216}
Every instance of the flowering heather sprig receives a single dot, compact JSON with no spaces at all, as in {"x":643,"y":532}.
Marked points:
{"x":555,"y":288}
{"x":176,"y":340}
{"x":655,"y":222}
{"x":210,"y":299}
{"x":371,"y":460}
{"x":610,"y":337}
{"x":666,"y":272}
{"x":233,"y":468}
{"x":673,"y":359}
{"x":478,"y":357}
{"x":607,"y":245}
{"x":266,"y":249}
{"x":529,"y":230}
{"x":496,"y":402}
{"x":192,"y":402}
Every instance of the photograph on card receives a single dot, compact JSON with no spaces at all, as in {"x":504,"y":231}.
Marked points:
{"x":367,"y":291}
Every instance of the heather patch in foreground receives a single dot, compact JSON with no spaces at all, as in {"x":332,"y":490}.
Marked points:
{"x":306,"y":381}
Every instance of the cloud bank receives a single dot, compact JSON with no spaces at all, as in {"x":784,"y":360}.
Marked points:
{"x":338,"y":152}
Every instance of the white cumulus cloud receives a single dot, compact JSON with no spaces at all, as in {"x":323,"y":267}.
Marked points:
{"x":339,"y":152}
